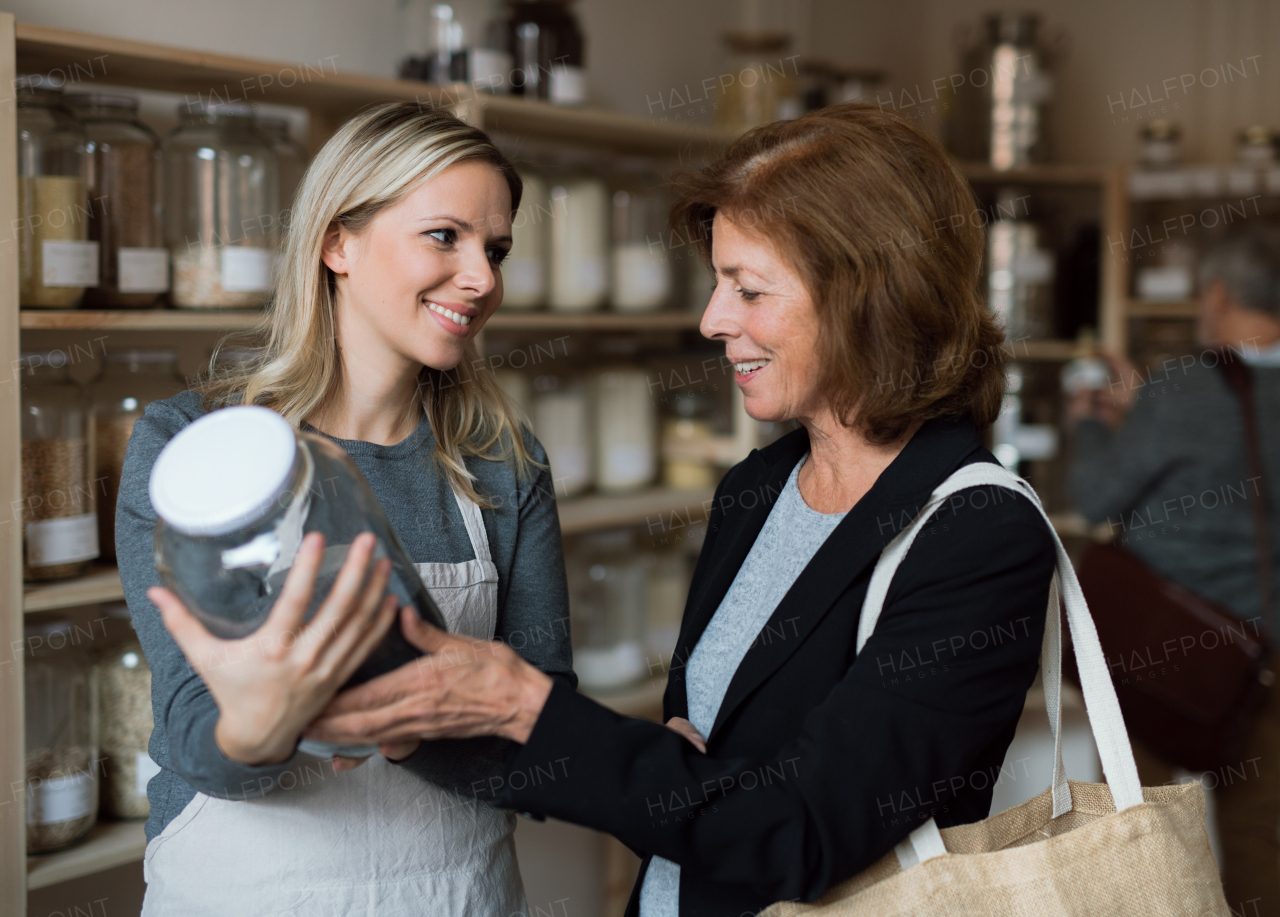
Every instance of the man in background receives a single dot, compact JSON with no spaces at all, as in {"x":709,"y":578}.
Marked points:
{"x":1161,"y":457}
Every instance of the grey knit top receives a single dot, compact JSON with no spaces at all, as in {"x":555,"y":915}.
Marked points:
{"x":533,"y":610}
{"x":1173,"y":481}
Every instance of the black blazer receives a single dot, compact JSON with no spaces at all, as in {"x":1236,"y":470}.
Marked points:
{"x":818,"y":764}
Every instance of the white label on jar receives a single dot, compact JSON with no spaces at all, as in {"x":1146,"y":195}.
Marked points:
{"x":146,"y":769}
{"x":1033,"y":266}
{"x":65,"y":540}
{"x":568,"y":86}
{"x":142,"y":270}
{"x":523,"y":276}
{"x":625,"y":465}
{"x":246,"y":270}
{"x":70,"y":264}
{"x":61,"y":799}
{"x":641,"y":278}
{"x":1172,"y":283}
{"x":570,"y":467}
{"x":591,"y":275}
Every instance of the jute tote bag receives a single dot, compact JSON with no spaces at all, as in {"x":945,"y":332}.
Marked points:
{"x":1079,"y":849}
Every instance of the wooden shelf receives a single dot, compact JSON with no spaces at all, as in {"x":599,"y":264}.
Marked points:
{"x":100,"y":584}
{"x":655,"y":507}
{"x":1049,"y":174}
{"x":110,"y":844}
{"x":642,"y":700}
{"x":320,"y":87}
{"x":1043,"y":350}
{"x":1143,"y":308}
{"x":239,"y":320}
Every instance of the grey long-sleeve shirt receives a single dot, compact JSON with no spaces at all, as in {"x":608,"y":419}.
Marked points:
{"x":533,"y":611}
{"x":1174,"y":484}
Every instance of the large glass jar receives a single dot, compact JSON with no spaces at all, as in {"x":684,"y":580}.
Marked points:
{"x":524,"y":270}
{"x":641,"y":277}
{"x":124,"y":187}
{"x":765,"y":83}
{"x":608,"y":602}
{"x":60,"y":527}
{"x":61,"y":736}
{"x":579,"y":243}
{"x":235,"y":492}
{"x":292,"y":157}
{"x":625,"y":428}
{"x":55,"y":260}
{"x":124,"y":695}
{"x":560,"y":421}
{"x":221,"y":207}
{"x":129,"y":381}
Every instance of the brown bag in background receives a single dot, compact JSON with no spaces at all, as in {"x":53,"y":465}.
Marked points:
{"x":1191,"y":676}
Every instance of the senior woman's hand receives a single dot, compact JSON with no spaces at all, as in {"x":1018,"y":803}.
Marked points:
{"x":463,"y":688}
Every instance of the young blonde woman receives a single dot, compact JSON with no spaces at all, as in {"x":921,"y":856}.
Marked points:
{"x":389,"y":271}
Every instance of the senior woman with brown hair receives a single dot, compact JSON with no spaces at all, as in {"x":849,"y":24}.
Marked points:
{"x":847,"y":268}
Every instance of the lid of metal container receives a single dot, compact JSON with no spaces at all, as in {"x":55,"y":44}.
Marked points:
{"x":223,"y":471}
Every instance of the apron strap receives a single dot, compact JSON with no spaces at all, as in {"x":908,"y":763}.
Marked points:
{"x":475,"y":527}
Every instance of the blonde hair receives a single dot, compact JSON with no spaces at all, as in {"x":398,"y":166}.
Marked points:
{"x":371,"y":163}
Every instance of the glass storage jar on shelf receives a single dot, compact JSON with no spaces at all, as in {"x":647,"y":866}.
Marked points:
{"x":129,"y":381}
{"x":124,"y":187}
{"x":61,"y":727}
{"x":235,"y":492}
{"x":641,"y":277}
{"x":608,"y":602}
{"x":524,"y":270}
{"x":125,"y":721}
{"x":292,"y":157}
{"x":221,"y":206}
{"x":625,"y":430}
{"x":561,"y":423}
{"x":766,"y":84}
{"x":688,"y":442}
{"x":60,"y":526}
{"x":546,"y":44}
{"x":579,"y":242}
{"x":56,"y":262}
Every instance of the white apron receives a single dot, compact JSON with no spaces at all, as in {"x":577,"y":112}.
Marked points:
{"x":374,"y":841}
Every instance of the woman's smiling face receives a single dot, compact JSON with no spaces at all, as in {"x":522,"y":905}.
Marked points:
{"x":763,"y":313}
{"x":424,"y":277}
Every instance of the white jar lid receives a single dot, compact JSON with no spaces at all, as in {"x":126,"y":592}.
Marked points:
{"x":223,"y":471}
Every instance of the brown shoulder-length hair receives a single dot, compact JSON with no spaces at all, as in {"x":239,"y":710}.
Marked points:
{"x":888,"y":238}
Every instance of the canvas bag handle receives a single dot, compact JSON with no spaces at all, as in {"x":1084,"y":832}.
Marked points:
{"x":1101,"y":704}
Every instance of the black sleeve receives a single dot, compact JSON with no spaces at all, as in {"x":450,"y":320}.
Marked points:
{"x":812,"y":814}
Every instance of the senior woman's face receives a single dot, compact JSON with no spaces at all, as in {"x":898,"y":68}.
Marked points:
{"x":763,"y":314}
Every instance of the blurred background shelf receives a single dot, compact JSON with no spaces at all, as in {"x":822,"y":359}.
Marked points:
{"x":100,"y":584}
{"x":1143,"y":308}
{"x":111,"y":843}
{"x":241,"y":319}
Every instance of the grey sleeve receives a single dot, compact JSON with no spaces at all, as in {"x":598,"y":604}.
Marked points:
{"x":533,"y":619}
{"x":185,"y":713}
{"x":1112,"y":470}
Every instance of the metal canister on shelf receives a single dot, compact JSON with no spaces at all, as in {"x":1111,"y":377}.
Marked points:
{"x":56,"y":260}
{"x":221,"y":206}
{"x":59,"y":489}
{"x":524,"y":270}
{"x":61,"y":730}
{"x":129,"y":381}
{"x":1001,"y":109}
{"x":625,"y":430}
{"x":124,"y":187}
{"x":579,"y":243}
{"x":1019,"y":272}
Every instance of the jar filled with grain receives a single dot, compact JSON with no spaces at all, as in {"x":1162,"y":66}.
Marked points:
{"x":61,"y":728}
{"x":124,"y":184}
{"x":130,"y":380}
{"x":221,"y":207}
{"x":59,"y":491}
{"x":292,"y":156}
{"x":124,"y":695}
{"x":56,"y":260}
